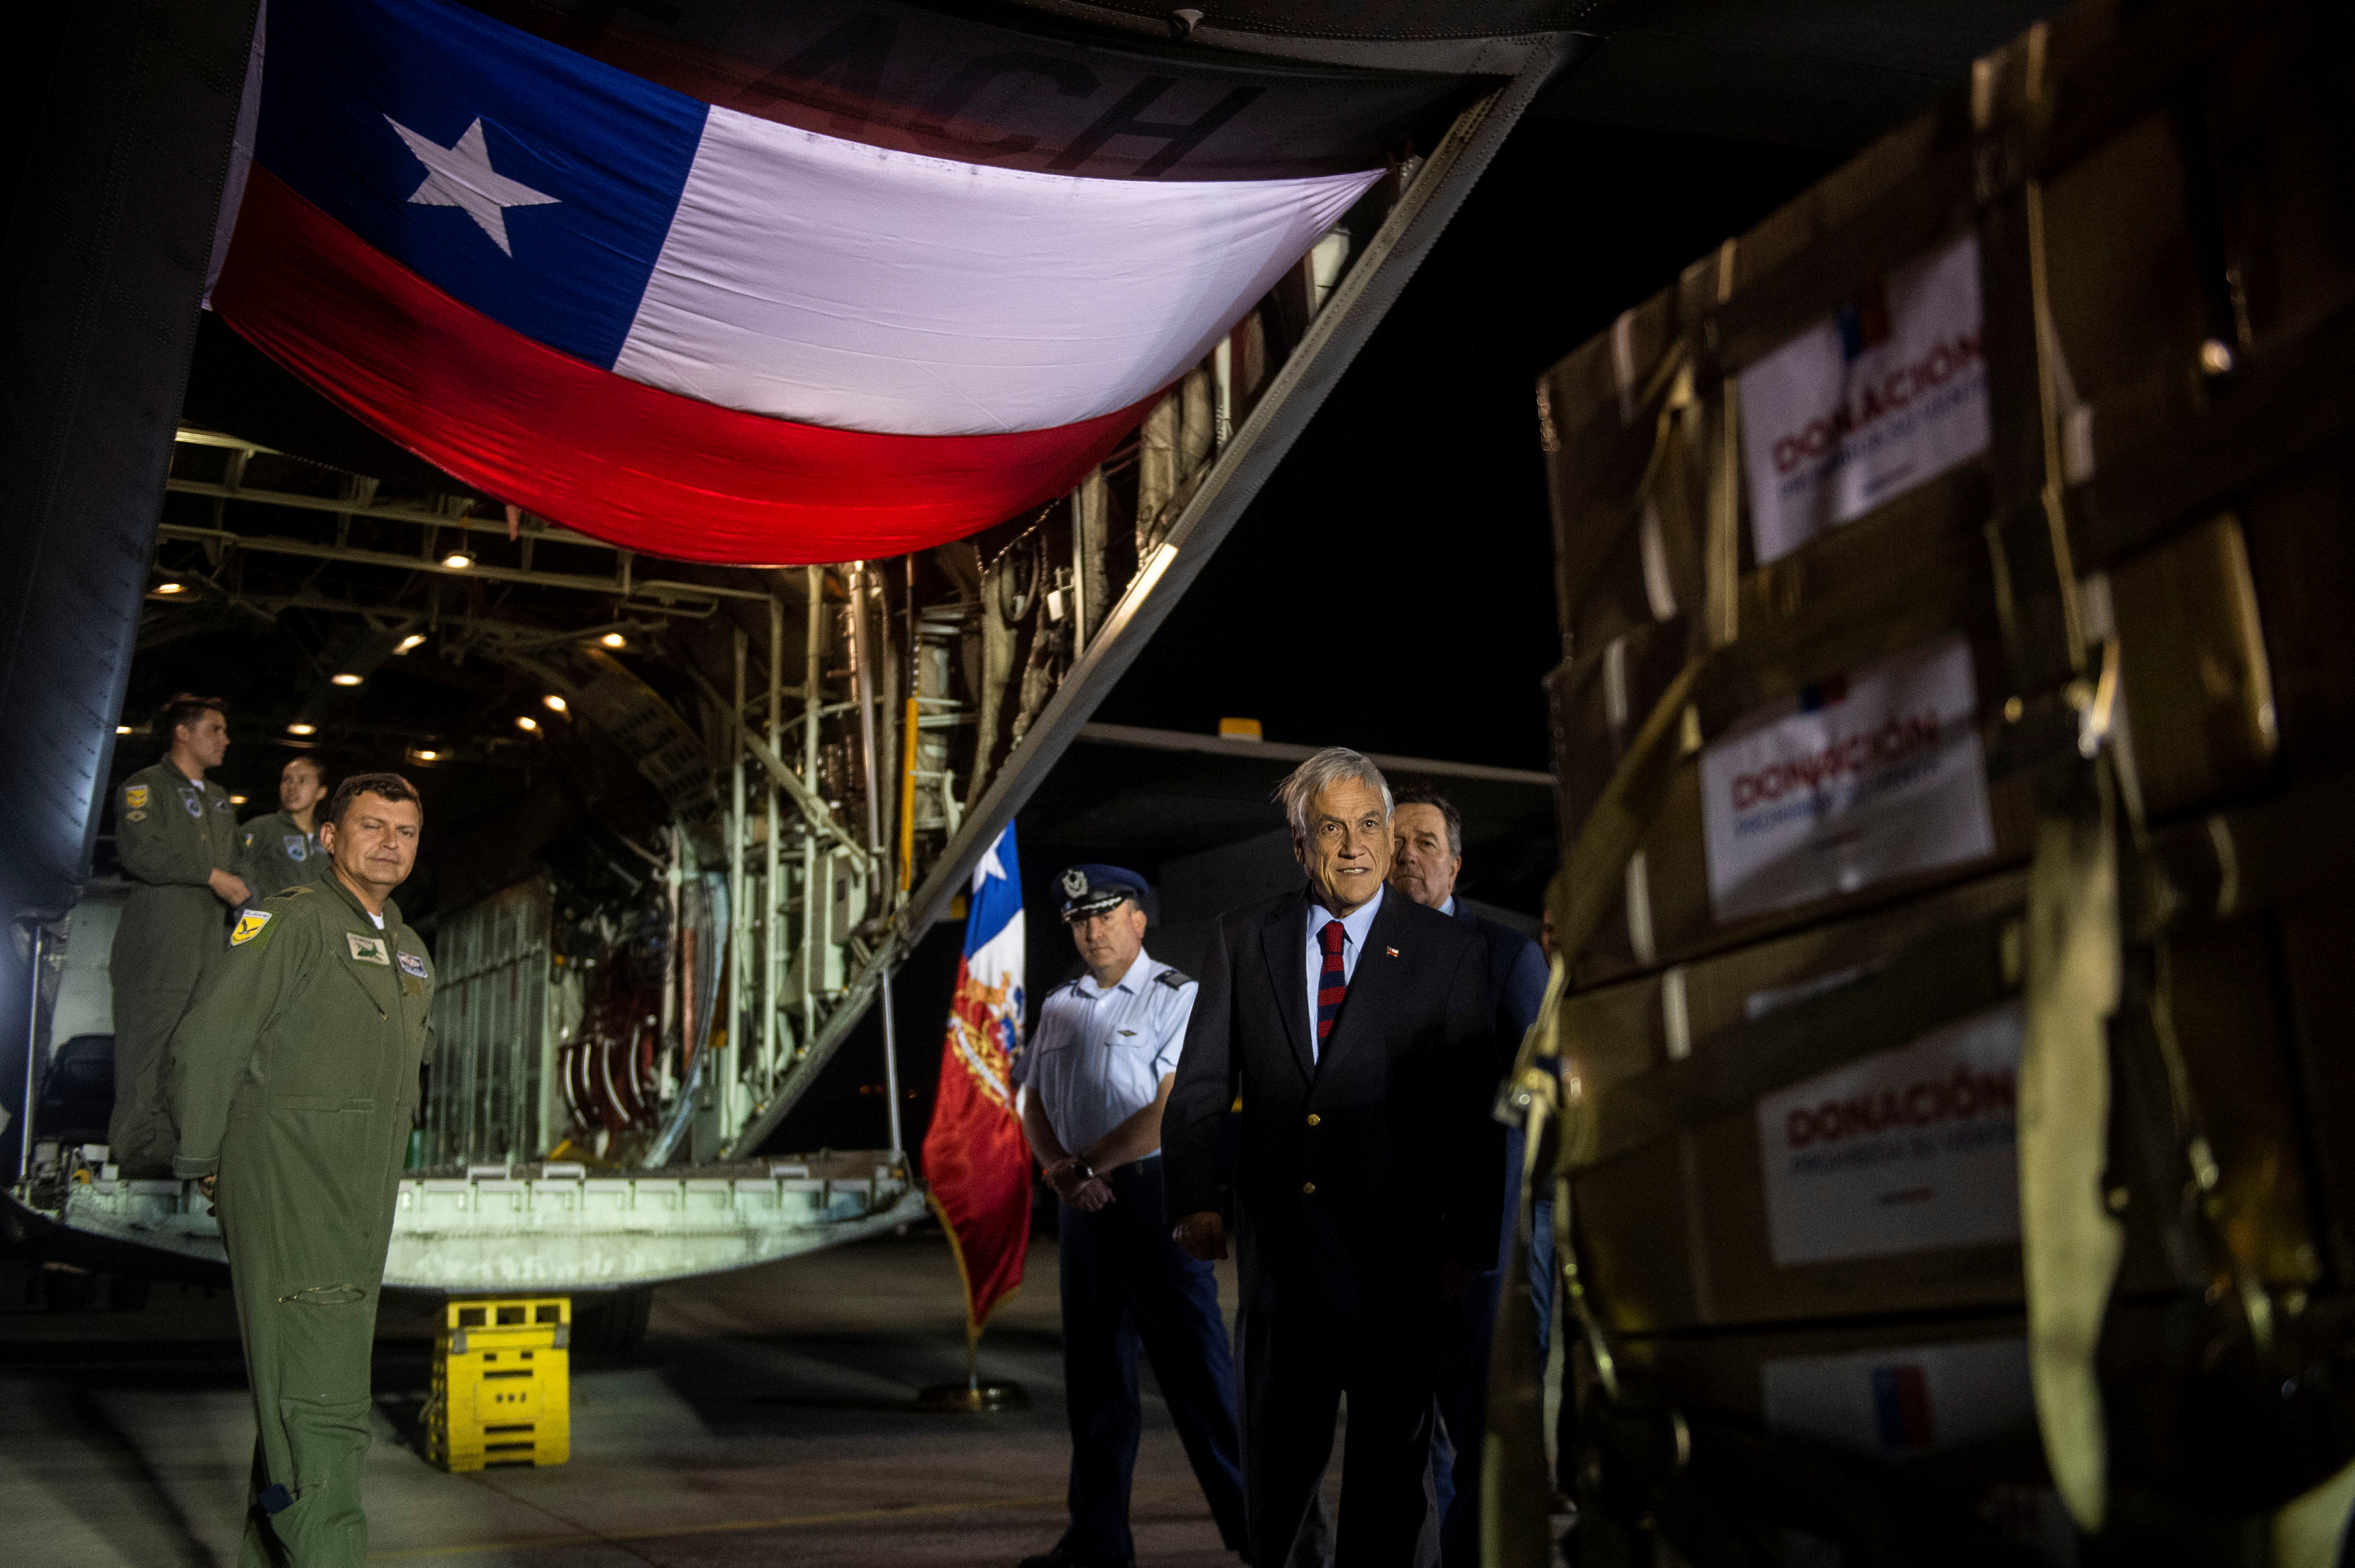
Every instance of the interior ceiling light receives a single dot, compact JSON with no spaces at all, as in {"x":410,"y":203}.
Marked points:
{"x":555,"y":703}
{"x":526,"y":722}
{"x":410,"y":641}
{"x":614,"y":639}
{"x":122,"y":729}
{"x":426,"y":753}
{"x":458,"y":561}
{"x":302,"y":730}
{"x":237,"y":800}
{"x":171,"y":587}
{"x":344,"y":678}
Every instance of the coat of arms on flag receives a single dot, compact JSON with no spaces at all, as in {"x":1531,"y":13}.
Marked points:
{"x":976,"y":1162}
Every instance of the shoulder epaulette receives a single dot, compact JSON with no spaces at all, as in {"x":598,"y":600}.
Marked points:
{"x":1176,"y":980}
{"x":298,"y":891}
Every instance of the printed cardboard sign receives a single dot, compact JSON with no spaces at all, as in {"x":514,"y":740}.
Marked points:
{"x":1875,"y":775}
{"x":1907,"y":1150}
{"x":1888,"y":392}
{"x":1913,"y":1399}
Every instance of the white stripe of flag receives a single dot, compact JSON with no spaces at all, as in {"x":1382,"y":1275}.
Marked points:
{"x":834,"y":283}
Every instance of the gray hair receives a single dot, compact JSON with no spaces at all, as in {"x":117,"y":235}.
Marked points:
{"x":1334,"y":765}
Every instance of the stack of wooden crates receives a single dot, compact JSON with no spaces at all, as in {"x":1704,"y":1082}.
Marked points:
{"x":1997,"y":493}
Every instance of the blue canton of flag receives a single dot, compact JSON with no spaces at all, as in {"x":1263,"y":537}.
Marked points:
{"x":533,"y":184}
{"x":994,"y":948}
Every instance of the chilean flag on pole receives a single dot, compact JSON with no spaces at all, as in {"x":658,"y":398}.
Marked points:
{"x":688,"y":330}
{"x":976,"y":1162}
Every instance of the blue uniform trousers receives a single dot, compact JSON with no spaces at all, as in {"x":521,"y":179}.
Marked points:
{"x":1126,"y":1284}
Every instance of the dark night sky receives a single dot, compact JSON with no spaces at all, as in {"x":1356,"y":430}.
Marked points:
{"x":1392,"y":589}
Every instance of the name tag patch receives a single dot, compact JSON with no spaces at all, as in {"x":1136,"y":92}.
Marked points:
{"x":412,"y":965}
{"x":249,"y":925}
{"x":369,"y":949}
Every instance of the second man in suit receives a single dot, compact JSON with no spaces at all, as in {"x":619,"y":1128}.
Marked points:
{"x":1357,"y":1033}
{"x":1429,"y":834}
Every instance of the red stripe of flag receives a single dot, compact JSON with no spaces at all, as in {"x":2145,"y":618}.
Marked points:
{"x":627,"y":463}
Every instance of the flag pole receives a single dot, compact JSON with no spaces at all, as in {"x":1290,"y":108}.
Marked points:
{"x":973,"y":1396}
{"x":890,"y":1066}
{"x":862,"y":654}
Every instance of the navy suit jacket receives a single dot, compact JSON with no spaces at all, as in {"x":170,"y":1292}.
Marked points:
{"x":1517,"y":980}
{"x":1362,"y":1166}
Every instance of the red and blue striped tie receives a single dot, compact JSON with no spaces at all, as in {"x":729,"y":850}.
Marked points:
{"x":1332,"y":981}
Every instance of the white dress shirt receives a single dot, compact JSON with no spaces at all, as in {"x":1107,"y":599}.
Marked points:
{"x":1099,"y":1052}
{"x":1354,"y":926}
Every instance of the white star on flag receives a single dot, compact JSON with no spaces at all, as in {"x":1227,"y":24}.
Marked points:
{"x":990,"y":865}
{"x":462,"y":177}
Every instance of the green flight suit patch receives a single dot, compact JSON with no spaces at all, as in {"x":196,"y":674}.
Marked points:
{"x":369,"y":949}
{"x":250,"y":925}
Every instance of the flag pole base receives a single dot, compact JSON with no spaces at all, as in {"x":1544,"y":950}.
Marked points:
{"x":972,"y":1398}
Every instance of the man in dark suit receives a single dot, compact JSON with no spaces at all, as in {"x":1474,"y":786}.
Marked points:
{"x":1356,"y":1030}
{"x":1428,"y":833}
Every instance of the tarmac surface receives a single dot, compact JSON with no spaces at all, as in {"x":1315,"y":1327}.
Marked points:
{"x":767,"y":1417}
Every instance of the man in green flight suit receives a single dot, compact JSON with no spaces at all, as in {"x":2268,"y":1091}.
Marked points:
{"x":177,"y":836}
{"x":281,"y":850}
{"x":293,"y":1082}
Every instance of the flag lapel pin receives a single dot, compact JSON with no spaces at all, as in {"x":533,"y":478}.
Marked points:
{"x":1392,"y":951}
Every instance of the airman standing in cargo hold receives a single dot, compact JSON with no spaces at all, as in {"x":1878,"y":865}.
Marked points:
{"x":294,"y":1083}
{"x":281,"y":850}
{"x":177,"y":837}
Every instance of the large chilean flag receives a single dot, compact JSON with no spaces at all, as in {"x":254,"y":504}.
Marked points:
{"x":703,"y":332}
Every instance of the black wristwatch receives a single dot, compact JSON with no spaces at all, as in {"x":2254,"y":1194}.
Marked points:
{"x":1087,"y":1172}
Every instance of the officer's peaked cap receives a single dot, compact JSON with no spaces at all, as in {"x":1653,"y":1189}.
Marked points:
{"x":1092,"y":889}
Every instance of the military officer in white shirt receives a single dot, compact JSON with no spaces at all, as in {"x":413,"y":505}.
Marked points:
{"x":1095,"y":1077}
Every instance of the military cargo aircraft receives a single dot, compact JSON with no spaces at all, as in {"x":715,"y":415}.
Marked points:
{"x":688,"y":817}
